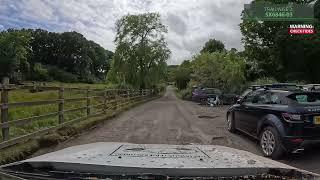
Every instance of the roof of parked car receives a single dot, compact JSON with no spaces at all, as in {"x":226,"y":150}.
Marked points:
{"x":279,"y":86}
{"x":281,"y":90}
{"x":288,"y":92}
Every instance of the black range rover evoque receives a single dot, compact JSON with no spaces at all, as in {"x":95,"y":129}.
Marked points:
{"x":280,"y":119}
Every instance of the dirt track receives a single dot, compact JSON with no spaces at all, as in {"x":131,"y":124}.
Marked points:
{"x":169,"y":120}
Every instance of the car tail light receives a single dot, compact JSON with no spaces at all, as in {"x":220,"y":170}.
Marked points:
{"x":291,"y":117}
{"x":297,"y":140}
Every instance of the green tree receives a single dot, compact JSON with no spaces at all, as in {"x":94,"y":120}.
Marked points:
{"x":221,"y":70}
{"x":271,"y":51}
{"x":38,"y":54}
{"x":71,"y":53}
{"x":170,"y":75}
{"x":141,"y":52}
{"x":100,"y":60}
{"x":182,"y":74}
{"x":14,"y":49}
{"x":213,"y":45}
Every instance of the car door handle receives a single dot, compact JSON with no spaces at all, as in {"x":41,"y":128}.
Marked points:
{"x":246,"y":107}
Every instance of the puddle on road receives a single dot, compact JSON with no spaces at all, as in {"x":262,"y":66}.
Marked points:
{"x":207,"y":116}
{"x":217,"y":137}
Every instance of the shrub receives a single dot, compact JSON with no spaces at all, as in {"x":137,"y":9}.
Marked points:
{"x":121,"y":85}
{"x":264,"y":80}
{"x":61,"y":75}
{"x":91,"y":79}
{"x":16,"y":77}
{"x":186,"y":94}
{"x":39,"y":73}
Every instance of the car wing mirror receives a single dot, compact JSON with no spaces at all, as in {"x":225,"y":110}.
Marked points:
{"x":239,"y":101}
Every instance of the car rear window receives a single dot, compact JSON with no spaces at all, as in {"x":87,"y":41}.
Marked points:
{"x":306,"y":98}
{"x":245,"y":92}
{"x":316,"y":88}
{"x":212,"y":91}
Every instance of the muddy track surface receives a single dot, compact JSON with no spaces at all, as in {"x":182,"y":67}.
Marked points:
{"x":169,"y":120}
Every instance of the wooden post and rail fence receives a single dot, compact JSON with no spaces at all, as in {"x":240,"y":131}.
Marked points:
{"x":109,"y":101}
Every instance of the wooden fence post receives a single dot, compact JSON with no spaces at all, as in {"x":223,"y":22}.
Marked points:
{"x":128,"y":95}
{"x":105,"y":101}
{"x":34,"y":88}
{"x":61,"y":105}
{"x":5,"y":108}
{"x":115,"y":100}
{"x":88,"y":102}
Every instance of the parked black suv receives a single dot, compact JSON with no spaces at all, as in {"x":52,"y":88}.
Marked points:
{"x":283,"y":86}
{"x":280,"y":119}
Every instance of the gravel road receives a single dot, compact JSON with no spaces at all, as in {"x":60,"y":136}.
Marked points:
{"x":169,"y":120}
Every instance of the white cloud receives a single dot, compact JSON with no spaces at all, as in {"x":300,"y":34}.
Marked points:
{"x":35,"y":10}
{"x":190,"y":22}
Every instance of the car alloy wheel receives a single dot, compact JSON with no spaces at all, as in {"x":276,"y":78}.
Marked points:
{"x":230,"y":123}
{"x":267,"y":142}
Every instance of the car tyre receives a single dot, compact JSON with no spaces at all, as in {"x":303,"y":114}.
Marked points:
{"x":270,"y":143}
{"x":230,"y":123}
{"x":203,"y":101}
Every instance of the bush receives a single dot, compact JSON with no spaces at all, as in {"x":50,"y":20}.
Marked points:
{"x":264,"y":80}
{"x":39,"y":73}
{"x":225,"y":71}
{"x":160,"y":87}
{"x":186,"y":94}
{"x":61,"y":75}
{"x":16,"y":77}
{"x":121,"y":86}
{"x":91,"y":79}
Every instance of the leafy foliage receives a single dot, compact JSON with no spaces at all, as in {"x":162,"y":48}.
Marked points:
{"x":14,"y":51}
{"x":141,"y":52}
{"x":40,"y":73}
{"x":213,"y":67}
{"x":213,"y":45}
{"x":170,"y":75}
{"x":182,"y":74}
{"x":61,"y":75}
{"x":34,"y":53}
{"x":271,"y":51}
{"x":186,"y":94}
{"x":264,"y":80}
{"x":221,"y":70}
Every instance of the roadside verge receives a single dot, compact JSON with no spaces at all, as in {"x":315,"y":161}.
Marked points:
{"x":22,"y":150}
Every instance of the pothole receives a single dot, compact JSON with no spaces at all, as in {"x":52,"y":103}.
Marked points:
{"x":207,"y":116}
{"x":135,"y":149}
{"x":217,"y":137}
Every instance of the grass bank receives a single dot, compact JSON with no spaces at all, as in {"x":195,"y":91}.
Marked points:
{"x":23,"y":150}
{"x":24,"y":95}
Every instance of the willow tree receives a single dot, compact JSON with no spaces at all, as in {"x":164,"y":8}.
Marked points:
{"x":141,"y":53}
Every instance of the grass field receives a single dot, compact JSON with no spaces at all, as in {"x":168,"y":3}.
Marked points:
{"x":24,"y":112}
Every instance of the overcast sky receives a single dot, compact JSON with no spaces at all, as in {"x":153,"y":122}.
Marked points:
{"x":190,"y":22}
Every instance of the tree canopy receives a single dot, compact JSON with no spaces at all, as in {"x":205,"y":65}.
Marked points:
{"x":213,"y":45}
{"x":271,"y":51}
{"x":141,"y":53}
{"x":182,"y":74}
{"x":42,"y":55}
{"x":223,"y":70}
{"x":14,"y":51}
